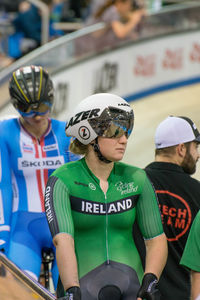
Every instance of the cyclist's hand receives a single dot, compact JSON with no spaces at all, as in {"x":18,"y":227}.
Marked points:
{"x":149,"y":289}
{"x":73,"y":293}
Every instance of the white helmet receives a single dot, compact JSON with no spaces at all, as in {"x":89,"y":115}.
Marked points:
{"x":101,"y":114}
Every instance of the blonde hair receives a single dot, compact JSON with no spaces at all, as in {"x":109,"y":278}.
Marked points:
{"x":77,"y":147}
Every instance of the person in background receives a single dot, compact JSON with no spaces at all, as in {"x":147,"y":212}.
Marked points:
{"x":28,"y":23}
{"x":91,"y":206}
{"x":191,"y":257}
{"x":95,"y":5}
{"x":176,"y":155}
{"x":120,"y":20}
{"x":5,"y":60}
{"x":28,"y":27}
{"x":32,"y":146}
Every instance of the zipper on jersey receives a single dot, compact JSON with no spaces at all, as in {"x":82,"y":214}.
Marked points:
{"x":107,"y":250}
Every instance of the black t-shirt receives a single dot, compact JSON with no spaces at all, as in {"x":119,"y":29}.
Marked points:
{"x":179,"y":201}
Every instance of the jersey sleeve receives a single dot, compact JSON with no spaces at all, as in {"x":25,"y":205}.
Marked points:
{"x":148,"y":213}
{"x":58,"y":207}
{"x":5,"y":193}
{"x":191,"y":254}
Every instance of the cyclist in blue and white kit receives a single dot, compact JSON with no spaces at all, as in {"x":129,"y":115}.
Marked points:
{"x":31,"y":148}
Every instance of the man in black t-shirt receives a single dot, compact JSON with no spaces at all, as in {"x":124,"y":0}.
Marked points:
{"x":176,"y":155}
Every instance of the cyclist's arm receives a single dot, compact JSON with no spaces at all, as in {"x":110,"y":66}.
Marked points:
{"x":149,"y":221}
{"x":195,"y":291}
{"x":66,"y":260}
{"x":156,"y":255}
{"x":58,"y":211}
{"x":5,"y":195}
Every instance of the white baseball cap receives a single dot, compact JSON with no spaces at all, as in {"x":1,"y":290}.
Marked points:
{"x":175,"y":130}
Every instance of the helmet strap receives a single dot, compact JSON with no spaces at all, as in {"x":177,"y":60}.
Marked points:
{"x":96,"y":148}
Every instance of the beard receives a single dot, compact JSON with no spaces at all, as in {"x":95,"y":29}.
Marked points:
{"x":189,"y":163}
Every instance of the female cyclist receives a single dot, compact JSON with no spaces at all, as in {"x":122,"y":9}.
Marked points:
{"x":91,"y":206}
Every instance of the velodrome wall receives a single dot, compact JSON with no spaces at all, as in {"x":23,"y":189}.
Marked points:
{"x":134,"y":72}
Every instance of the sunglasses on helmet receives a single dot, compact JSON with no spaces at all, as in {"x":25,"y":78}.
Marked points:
{"x":118,"y":129}
{"x":34,"y":110}
{"x":116,"y":126}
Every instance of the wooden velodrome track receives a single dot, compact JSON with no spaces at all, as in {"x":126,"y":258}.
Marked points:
{"x":150,"y":111}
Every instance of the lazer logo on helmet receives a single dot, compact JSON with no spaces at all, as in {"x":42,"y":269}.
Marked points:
{"x":84,"y":132}
{"x":84,"y":115}
{"x":40,"y":163}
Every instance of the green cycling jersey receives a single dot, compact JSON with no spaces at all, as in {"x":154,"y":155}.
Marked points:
{"x":101,"y":224}
{"x":191,"y":254}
